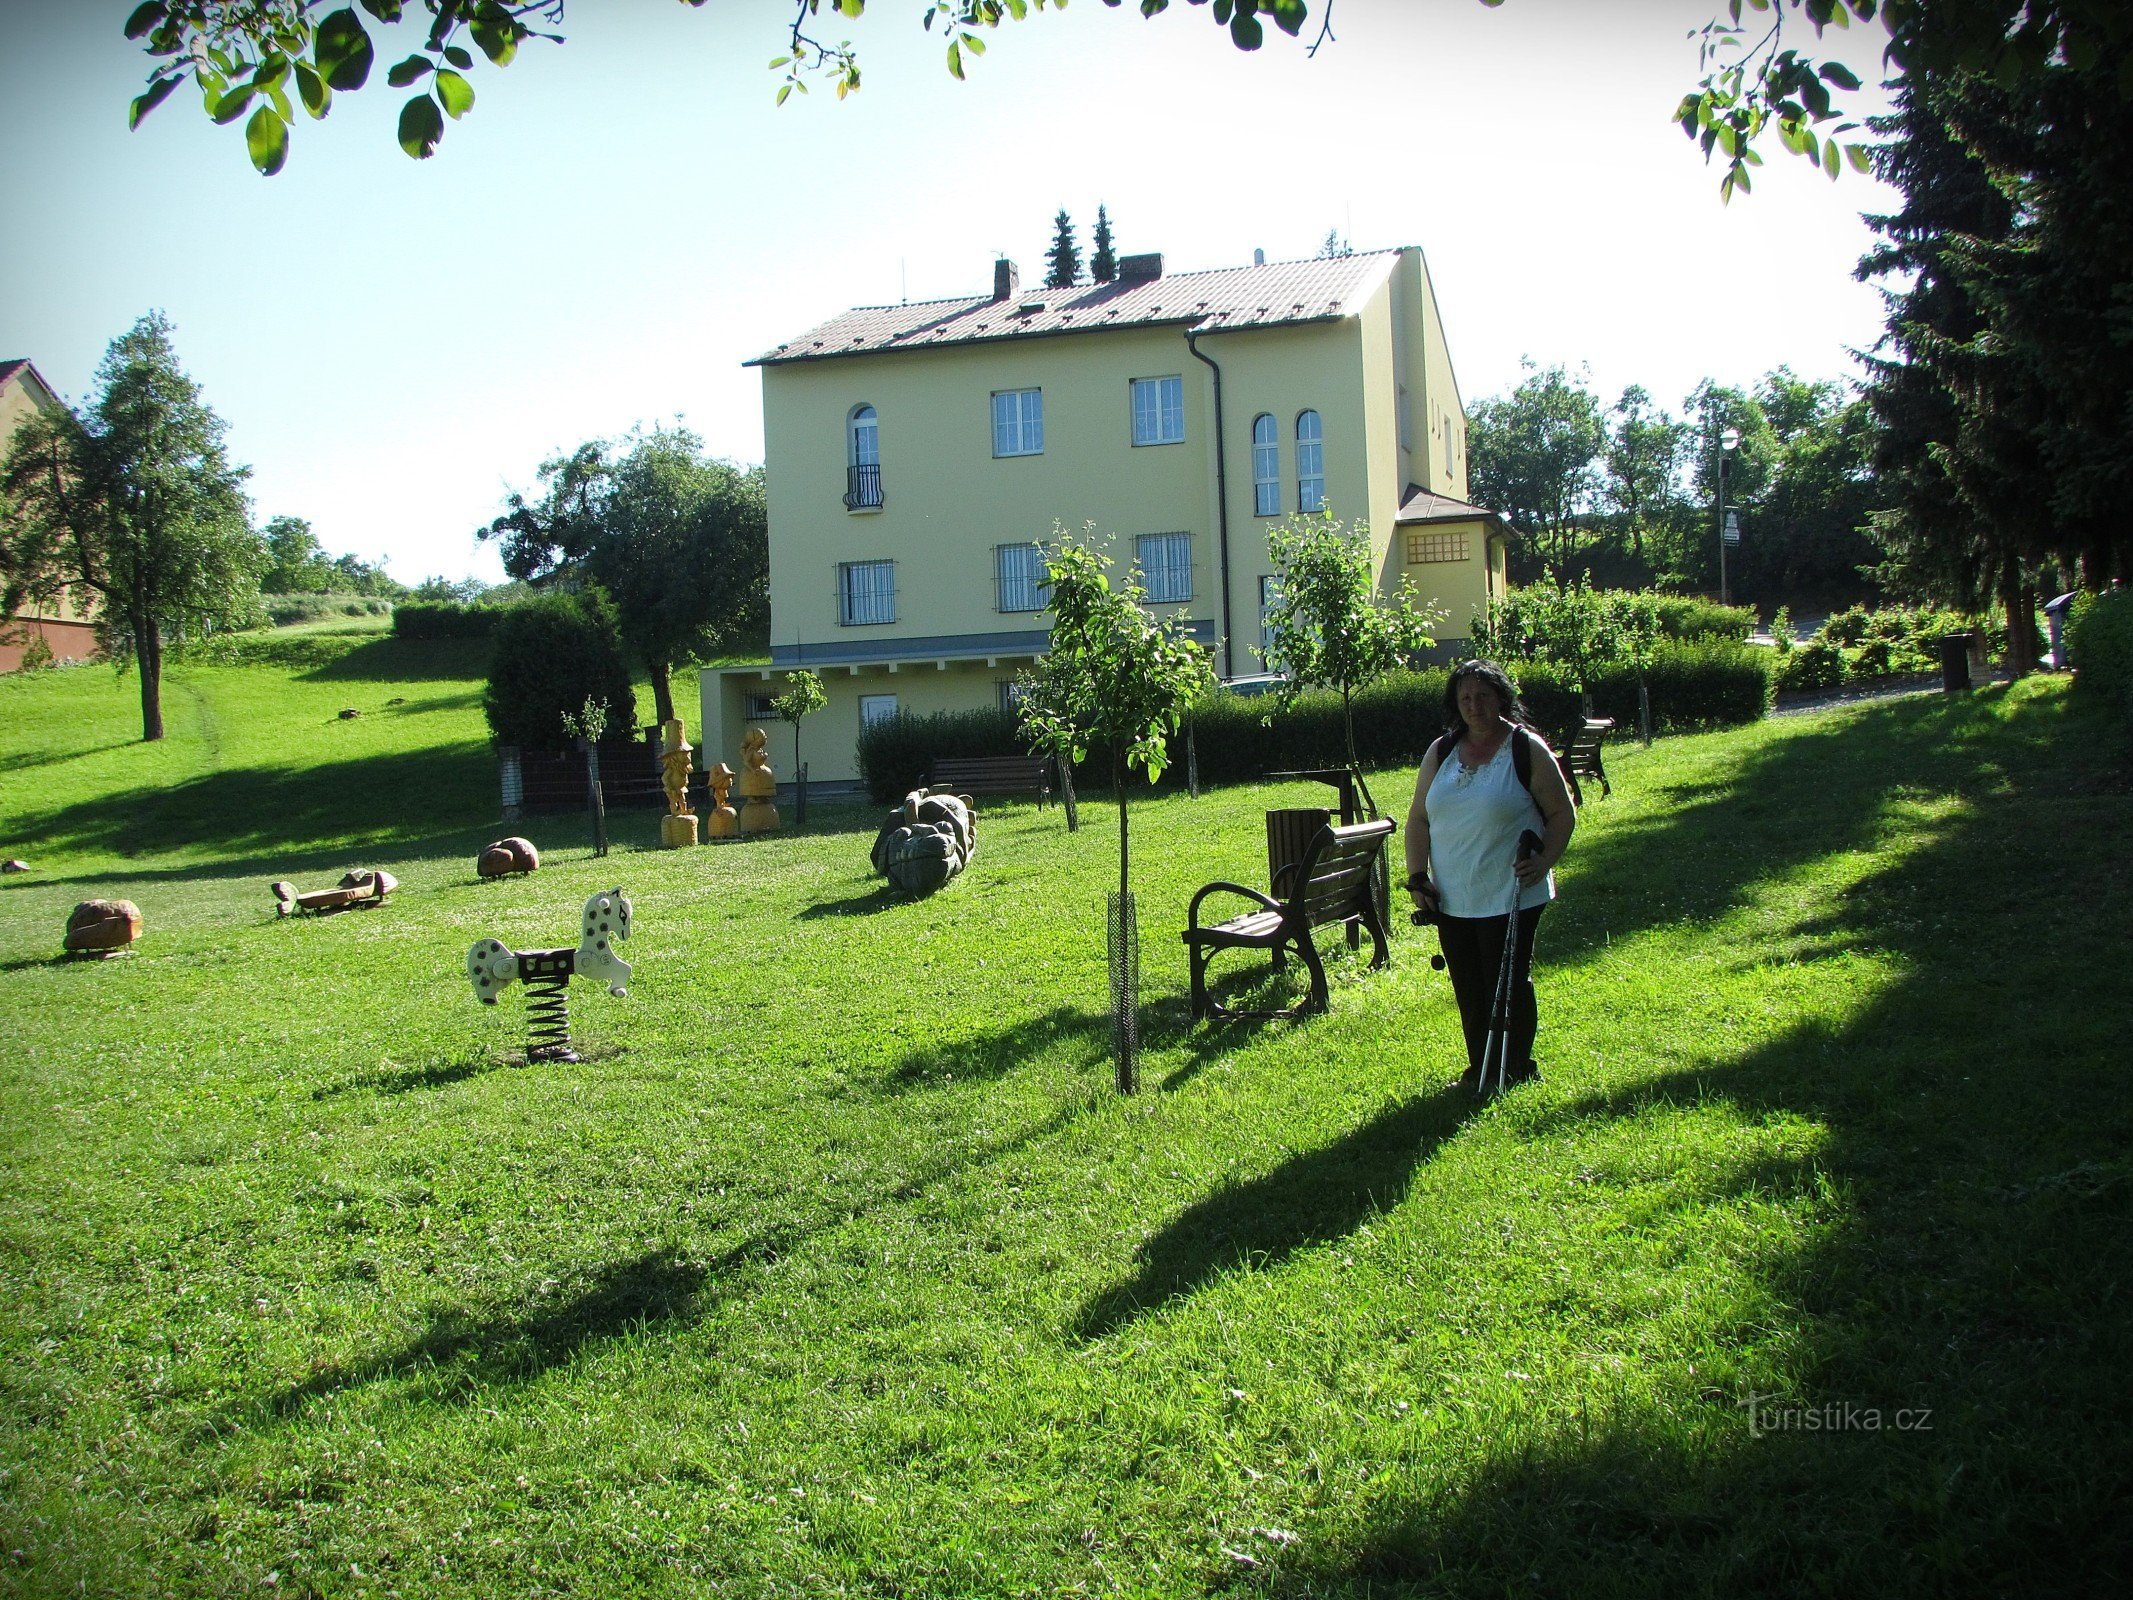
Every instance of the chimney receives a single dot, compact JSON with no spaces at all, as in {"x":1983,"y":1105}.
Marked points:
{"x":1140,"y":269}
{"x":1005,"y":279}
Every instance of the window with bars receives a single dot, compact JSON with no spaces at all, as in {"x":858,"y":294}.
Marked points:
{"x":1165,"y":562}
{"x":866,"y":593}
{"x":1310,"y":463}
{"x":875,"y":708}
{"x":1158,"y":411}
{"x":1426,"y":547}
{"x":1018,"y":422}
{"x":1266,"y":465}
{"x":1018,"y":576}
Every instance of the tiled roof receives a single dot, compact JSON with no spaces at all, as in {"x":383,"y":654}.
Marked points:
{"x":9,"y":368}
{"x":1277,"y":294}
{"x":1420,"y":505}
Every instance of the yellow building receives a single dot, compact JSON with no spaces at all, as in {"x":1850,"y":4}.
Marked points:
{"x":917,"y":455}
{"x":62,"y":626}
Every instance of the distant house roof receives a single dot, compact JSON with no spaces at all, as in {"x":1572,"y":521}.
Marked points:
{"x":20,"y":366}
{"x":1420,"y":505}
{"x":1275,"y":295}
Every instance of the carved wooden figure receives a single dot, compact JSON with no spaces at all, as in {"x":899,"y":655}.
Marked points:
{"x":677,"y":829}
{"x":720,"y":824}
{"x":759,"y":785}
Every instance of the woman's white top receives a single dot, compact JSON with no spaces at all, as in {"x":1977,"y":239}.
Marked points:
{"x":1475,"y":817}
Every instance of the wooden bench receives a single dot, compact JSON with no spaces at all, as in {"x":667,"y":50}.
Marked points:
{"x":976,"y":775}
{"x":1331,"y":884}
{"x":1581,"y":756}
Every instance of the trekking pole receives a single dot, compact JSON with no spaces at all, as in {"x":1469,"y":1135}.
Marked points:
{"x":1499,"y":1039}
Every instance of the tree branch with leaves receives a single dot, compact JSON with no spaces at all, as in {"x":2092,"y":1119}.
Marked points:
{"x":1328,"y":628}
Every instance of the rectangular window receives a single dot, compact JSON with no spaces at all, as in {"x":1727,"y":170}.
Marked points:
{"x":866,"y":592}
{"x":1018,"y":422}
{"x":1424,"y":547}
{"x":1158,"y":411}
{"x":875,"y":708}
{"x":1165,"y":562}
{"x":758,"y":708}
{"x":1012,"y":694}
{"x":1018,"y":574}
{"x":1269,"y":597}
{"x":1266,"y":470}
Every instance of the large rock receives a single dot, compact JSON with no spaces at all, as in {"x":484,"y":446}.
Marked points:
{"x":100,"y":925}
{"x":507,"y":856}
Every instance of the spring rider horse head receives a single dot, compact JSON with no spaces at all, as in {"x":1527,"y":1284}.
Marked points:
{"x":492,"y":965}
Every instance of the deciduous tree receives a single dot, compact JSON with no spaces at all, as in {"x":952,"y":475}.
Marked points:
{"x":136,"y":505}
{"x":1327,"y":627}
{"x":1113,"y":679}
{"x":1533,"y":456}
{"x":678,"y":541}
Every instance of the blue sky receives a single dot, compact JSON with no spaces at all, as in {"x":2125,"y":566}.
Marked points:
{"x":624,"y":219}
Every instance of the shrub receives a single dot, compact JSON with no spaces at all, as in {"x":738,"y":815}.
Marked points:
{"x":552,"y":654}
{"x":1688,"y":616}
{"x":445,"y":619}
{"x":1710,"y":682}
{"x":2101,"y":646}
{"x":1817,"y":664}
{"x":1888,"y":639}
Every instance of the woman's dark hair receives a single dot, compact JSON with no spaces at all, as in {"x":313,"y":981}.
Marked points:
{"x":1492,"y":675}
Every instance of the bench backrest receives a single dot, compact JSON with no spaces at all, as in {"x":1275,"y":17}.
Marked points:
{"x":991,"y":774}
{"x":1582,"y":753}
{"x":1333,"y":879}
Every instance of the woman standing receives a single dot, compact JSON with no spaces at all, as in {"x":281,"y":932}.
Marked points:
{"x":1482,"y":785}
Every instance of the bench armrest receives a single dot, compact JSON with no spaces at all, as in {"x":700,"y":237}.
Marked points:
{"x":1192,"y":912}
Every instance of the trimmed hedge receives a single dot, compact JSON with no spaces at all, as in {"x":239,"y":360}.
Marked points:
{"x":551,"y":655}
{"x":1711,"y":683}
{"x":2101,"y":646}
{"x":445,"y":619}
{"x":1687,"y":616}
{"x":895,"y":752}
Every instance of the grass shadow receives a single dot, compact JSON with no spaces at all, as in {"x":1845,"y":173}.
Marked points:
{"x":460,"y":1353}
{"x":279,"y":814}
{"x":389,"y":1078}
{"x":1961,"y":1257}
{"x":390,"y":659}
{"x":1311,"y":1199}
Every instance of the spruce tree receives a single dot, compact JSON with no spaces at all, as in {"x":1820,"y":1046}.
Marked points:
{"x":1103,"y":260}
{"x":1065,"y":257}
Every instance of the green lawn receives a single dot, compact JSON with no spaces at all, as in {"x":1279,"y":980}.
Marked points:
{"x":839,"y":1268}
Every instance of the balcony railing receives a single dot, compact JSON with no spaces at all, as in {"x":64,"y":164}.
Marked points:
{"x":862,"y":488}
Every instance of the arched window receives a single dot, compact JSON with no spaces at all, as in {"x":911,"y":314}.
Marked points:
{"x":1310,"y":463}
{"x":1266,"y":465}
{"x":862,"y":488}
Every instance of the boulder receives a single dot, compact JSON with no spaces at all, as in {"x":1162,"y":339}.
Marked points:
{"x":103,"y":925}
{"x":507,"y":856}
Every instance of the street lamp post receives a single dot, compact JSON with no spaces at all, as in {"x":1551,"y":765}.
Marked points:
{"x":1728,"y":444}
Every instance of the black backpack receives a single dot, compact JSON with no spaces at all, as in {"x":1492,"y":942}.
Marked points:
{"x":1521,"y":757}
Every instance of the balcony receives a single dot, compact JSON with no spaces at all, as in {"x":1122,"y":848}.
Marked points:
{"x":862,"y":488}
